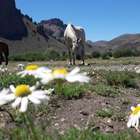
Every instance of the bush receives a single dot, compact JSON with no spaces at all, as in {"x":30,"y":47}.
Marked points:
{"x":105,"y":90}
{"x":106,"y":55}
{"x":70,"y":91}
{"x":13,"y":79}
{"x":125,"y":79}
{"x":49,"y":55}
{"x":105,"y":112}
{"x":125,"y":52}
{"x":95,"y":54}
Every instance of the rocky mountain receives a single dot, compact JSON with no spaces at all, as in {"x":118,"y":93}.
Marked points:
{"x":52,"y":27}
{"x":11,"y":23}
{"x":21,"y":34}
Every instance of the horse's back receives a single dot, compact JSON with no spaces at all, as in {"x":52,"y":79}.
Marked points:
{"x":4,"y":48}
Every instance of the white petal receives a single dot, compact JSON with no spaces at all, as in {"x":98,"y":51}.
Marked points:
{"x":9,"y":97}
{"x":134,"y":120}
{"x":40,"y":97}
{"x":12,"y":88}
{"x":33,"y":99}
{"x":45,"y":80}
{"x":2,"y":102}
{"x":75,"y":71}
{"x":16,"y":102}
{"x":78,"y":78}
{"x":129,"y":123}
{"x":43,"y":69}
{"x":39,"y":94}
{"x":20,"y":73}
{"x":49,"y":91}
{"x":132,"y":108}
{"x":4,"y":91}
{"x":24,"y":104}
{"x":137,"y":123}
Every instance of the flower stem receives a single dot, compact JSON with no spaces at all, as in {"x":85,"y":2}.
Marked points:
{"x":30,"y":125}
{"x":59,"y":86}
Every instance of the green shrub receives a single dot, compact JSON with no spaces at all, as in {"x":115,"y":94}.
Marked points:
{"x":95,"y":54}
{"x":13,"y":79}
{"x":105,"y":112}
{"x":105,"y":56}
{"x":71,"y":90}
{"x":72,"y":134}
{"x":49,"y":55}
{"x":125,"y":79}
{"x":105,"y":90}
{"x":125,"y":52}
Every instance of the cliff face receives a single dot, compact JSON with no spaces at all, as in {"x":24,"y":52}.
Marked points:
{"x":11,"y":21}
{"x":53,"y":27}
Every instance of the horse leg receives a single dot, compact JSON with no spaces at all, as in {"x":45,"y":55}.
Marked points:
{"x":70,"y":59}
{"x":74,"y":56}
{"x":1,"y":59}
{"x":6,"y":60}
{"x":83,"y":55}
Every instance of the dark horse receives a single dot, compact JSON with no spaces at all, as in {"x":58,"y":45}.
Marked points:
{"x":4,"y":53}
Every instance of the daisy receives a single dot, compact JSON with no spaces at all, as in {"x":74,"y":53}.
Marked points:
{"x":21,"y":95}
{"x":62,"y":73}
{"x":20,"y":67}
{"x":3,"y":69}
{"x":34,"y":70}
{"x":3,"y":93}
{"x":134,"y":117}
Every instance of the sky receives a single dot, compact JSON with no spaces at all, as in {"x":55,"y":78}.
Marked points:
{"x":101,"y":19}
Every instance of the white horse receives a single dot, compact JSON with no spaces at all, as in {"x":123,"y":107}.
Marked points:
{"x":75,"y":41}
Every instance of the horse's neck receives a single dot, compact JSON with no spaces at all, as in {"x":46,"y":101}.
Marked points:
{"x":72,"y":32}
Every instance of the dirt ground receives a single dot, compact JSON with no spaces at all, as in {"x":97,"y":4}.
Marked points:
{"x":81,"y":113}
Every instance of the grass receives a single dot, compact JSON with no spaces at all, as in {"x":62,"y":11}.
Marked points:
{"x":105,"y":90}
{"x":45,"y":56}
{"x":72,"y":134}
{"x":107,"y":86}
{"x":72,"y":90}
{"x":105,"y":112}
{"x":13,"y":79}
{"x":124,"y":79}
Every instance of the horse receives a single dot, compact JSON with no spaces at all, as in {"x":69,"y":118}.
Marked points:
{"x":75,"y":41}
{"x":4,"y":53}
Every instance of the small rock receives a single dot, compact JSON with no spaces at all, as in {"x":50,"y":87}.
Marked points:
{"x":56,"y":124}
{"x":109,"y":120}
{"x":62,"y":120}
{"x":84,"y":113}
{"x":77,"y":127}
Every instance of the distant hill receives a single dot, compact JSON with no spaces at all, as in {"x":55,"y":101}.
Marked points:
{"x":131,"y":41}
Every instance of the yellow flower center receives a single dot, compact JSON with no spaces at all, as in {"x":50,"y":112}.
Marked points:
{"x":136,"y":110}
{"x":32,"y":67}
{"x":61,"y":71}
{"x":22,"y":90}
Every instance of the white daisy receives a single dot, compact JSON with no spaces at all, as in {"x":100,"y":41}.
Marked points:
{"x":21,"y":95}
{"x":62,"y":73}
{"x":34,"y":70}
{"x":3,"y":93}
{"x":134,"y":117}
{"x":3,"y":69}
{"x":20,"y":67}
